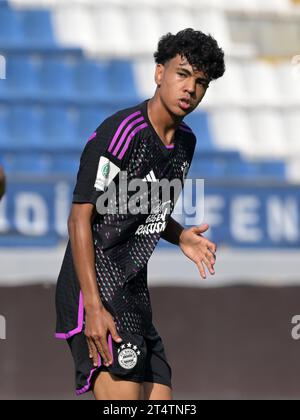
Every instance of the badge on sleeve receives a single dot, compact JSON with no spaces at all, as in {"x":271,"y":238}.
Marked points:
{"x":107,"y":170}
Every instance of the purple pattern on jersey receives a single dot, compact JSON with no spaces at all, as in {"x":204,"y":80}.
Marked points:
{"x":121,"y":126}
{"x":92,"y":136}
{"x":134,"y":132}
{"x":129,"y":128}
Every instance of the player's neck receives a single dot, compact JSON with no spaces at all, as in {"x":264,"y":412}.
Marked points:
{"x":161,"y":120}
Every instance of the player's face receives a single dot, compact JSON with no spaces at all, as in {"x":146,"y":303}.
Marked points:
{"x":180,"y":86}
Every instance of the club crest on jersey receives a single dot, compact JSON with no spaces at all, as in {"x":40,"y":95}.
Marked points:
{"x":128,"y":355}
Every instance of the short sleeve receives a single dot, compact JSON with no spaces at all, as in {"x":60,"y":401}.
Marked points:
{"x":106,"y":153}
{"x":97,"y":169}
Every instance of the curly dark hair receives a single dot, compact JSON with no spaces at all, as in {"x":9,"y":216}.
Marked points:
{"x":201,"y":51}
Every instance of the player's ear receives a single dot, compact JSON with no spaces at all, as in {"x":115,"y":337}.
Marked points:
{"x":159,"y":71}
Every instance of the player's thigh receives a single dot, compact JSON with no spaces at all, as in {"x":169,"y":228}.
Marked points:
{"x":154,"y":391}
{"x":109,"y":387}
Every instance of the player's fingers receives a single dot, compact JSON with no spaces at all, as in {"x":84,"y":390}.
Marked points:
{"x":94,"y":352}
{"x":105,"y":350}
{"x":114,"y":333}
{"x":90,"y":348}
{"x":211,"y":257}
{"x":212,"y":247}
{"x":201,"y":229}
{"x":98,"y":344}
{"x":201,"y":269}
{"x":208,"y":265}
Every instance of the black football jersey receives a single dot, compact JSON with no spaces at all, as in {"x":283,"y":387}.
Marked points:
{"x":124,"y":148}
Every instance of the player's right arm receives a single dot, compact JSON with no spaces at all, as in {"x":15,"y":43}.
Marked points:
{"x":2,"y":182}
{"x":98,"y":321}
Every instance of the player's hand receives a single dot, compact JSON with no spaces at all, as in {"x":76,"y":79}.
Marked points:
{"x":199,"y":249}
{"x":98,"y":324}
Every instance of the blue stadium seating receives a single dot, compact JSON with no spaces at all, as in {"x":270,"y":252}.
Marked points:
{"x":25,"y":128}
{"x":3,"y":89}
{"x":205,"y":168}
{"x":29,"y":163}
{"x":54,"y":103}
{"x":89,"y":119}
{"x":242,"y":169}
{"x":29,"y":28}
{"x":65,"y":164}
{"x":230,"y":165}
{"x":198,"y":121}
{"x":107,"y":82}
{"x":10,"y":26}
{"x":121,"y":81}
{"x":209,"y":169}
{"x":37,"y":27}
{"x":5,"y":139}
{"x":91,"y":80}
{"x":42,"y":164}
{"x":21,"y":79}
{"x":272,"y":169}
{"x":59,"y":128}
{"x":56,"y":79}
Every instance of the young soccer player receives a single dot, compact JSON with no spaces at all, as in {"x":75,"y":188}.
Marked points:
{"x":102,"y":298}
{"x":2,"y":182}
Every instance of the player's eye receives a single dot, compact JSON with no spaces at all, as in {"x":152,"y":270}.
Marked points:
{"x":182,"y":74}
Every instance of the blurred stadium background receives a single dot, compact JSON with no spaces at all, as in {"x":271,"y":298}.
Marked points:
{"x":65,"y":66}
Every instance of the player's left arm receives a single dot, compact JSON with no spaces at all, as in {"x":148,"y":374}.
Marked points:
{"x":195,"y":246}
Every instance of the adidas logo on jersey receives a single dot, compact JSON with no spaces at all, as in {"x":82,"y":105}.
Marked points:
{"x":150,"y":177}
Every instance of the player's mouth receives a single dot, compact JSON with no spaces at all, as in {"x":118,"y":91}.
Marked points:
{"x":184,"y":104}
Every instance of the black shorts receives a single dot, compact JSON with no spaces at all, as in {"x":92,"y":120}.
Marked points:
{"x":137,"y":358}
